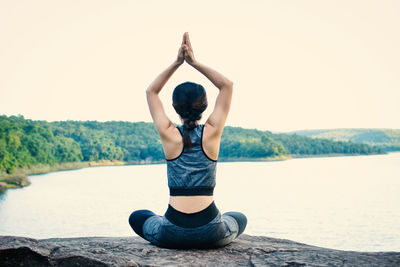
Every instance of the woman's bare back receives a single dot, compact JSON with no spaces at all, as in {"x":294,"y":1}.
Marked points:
{"x":191,"y":204}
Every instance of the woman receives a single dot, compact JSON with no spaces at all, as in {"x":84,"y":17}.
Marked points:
{"x":192,"y":220}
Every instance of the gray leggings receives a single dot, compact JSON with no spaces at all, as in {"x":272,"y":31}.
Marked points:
{"x":204,"y":229}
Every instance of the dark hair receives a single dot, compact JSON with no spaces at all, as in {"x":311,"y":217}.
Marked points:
{"x":189,"y":101}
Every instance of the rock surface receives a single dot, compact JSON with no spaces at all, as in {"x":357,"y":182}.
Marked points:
{"x":134,"y":251}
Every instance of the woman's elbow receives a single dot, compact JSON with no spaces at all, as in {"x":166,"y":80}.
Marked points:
{"x":150,"y":91}
{"x":228,"y":84}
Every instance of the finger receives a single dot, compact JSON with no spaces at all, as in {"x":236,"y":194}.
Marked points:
{"x":184,"y":38}
{"x":188,"y":40}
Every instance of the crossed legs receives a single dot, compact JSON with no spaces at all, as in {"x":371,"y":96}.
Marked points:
{"x":139,"y":217}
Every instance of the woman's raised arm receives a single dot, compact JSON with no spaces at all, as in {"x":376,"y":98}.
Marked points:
{"x":161,"y":121}
{"x":222,"y":105}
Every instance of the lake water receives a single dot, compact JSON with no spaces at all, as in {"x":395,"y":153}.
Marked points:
{"x":350,"y":203}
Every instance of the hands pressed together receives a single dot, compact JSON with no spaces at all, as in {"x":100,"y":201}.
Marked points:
{"x":185,"y":52}
{"x":222,"y":104}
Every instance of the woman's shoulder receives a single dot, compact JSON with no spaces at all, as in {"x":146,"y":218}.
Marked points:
{"x":210,"y":141}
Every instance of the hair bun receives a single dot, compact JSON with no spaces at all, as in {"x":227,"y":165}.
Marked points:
{"x":189,"y":101}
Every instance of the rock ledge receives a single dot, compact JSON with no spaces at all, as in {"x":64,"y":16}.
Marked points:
{"x":133,"y":251}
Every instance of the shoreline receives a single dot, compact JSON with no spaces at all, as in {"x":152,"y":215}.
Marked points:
{"x":19,"y":179}
{"x":333,"y":155}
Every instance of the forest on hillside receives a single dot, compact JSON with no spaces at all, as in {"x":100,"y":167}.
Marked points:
{"x":25,"y":142}
{"x":387,"y":139}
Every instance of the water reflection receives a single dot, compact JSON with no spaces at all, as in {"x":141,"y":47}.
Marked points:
{"x":344,"y":202}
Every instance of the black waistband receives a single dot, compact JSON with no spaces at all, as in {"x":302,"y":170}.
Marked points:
{"x":194,"y":191}
{"x":191,"y":220}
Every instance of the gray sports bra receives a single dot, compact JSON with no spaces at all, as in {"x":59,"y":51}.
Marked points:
{"x":192,"y":173}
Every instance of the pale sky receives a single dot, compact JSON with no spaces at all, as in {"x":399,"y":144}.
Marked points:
{"x":295,"y":64}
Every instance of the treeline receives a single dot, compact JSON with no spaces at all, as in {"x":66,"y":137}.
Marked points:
{"x":236,"y":140}
{"x":24,"y":143}
{"x":387,"y":139}
{"x":301,"y":145}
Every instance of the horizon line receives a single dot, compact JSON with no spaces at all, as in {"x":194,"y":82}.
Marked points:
{"x":252,"y":128}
